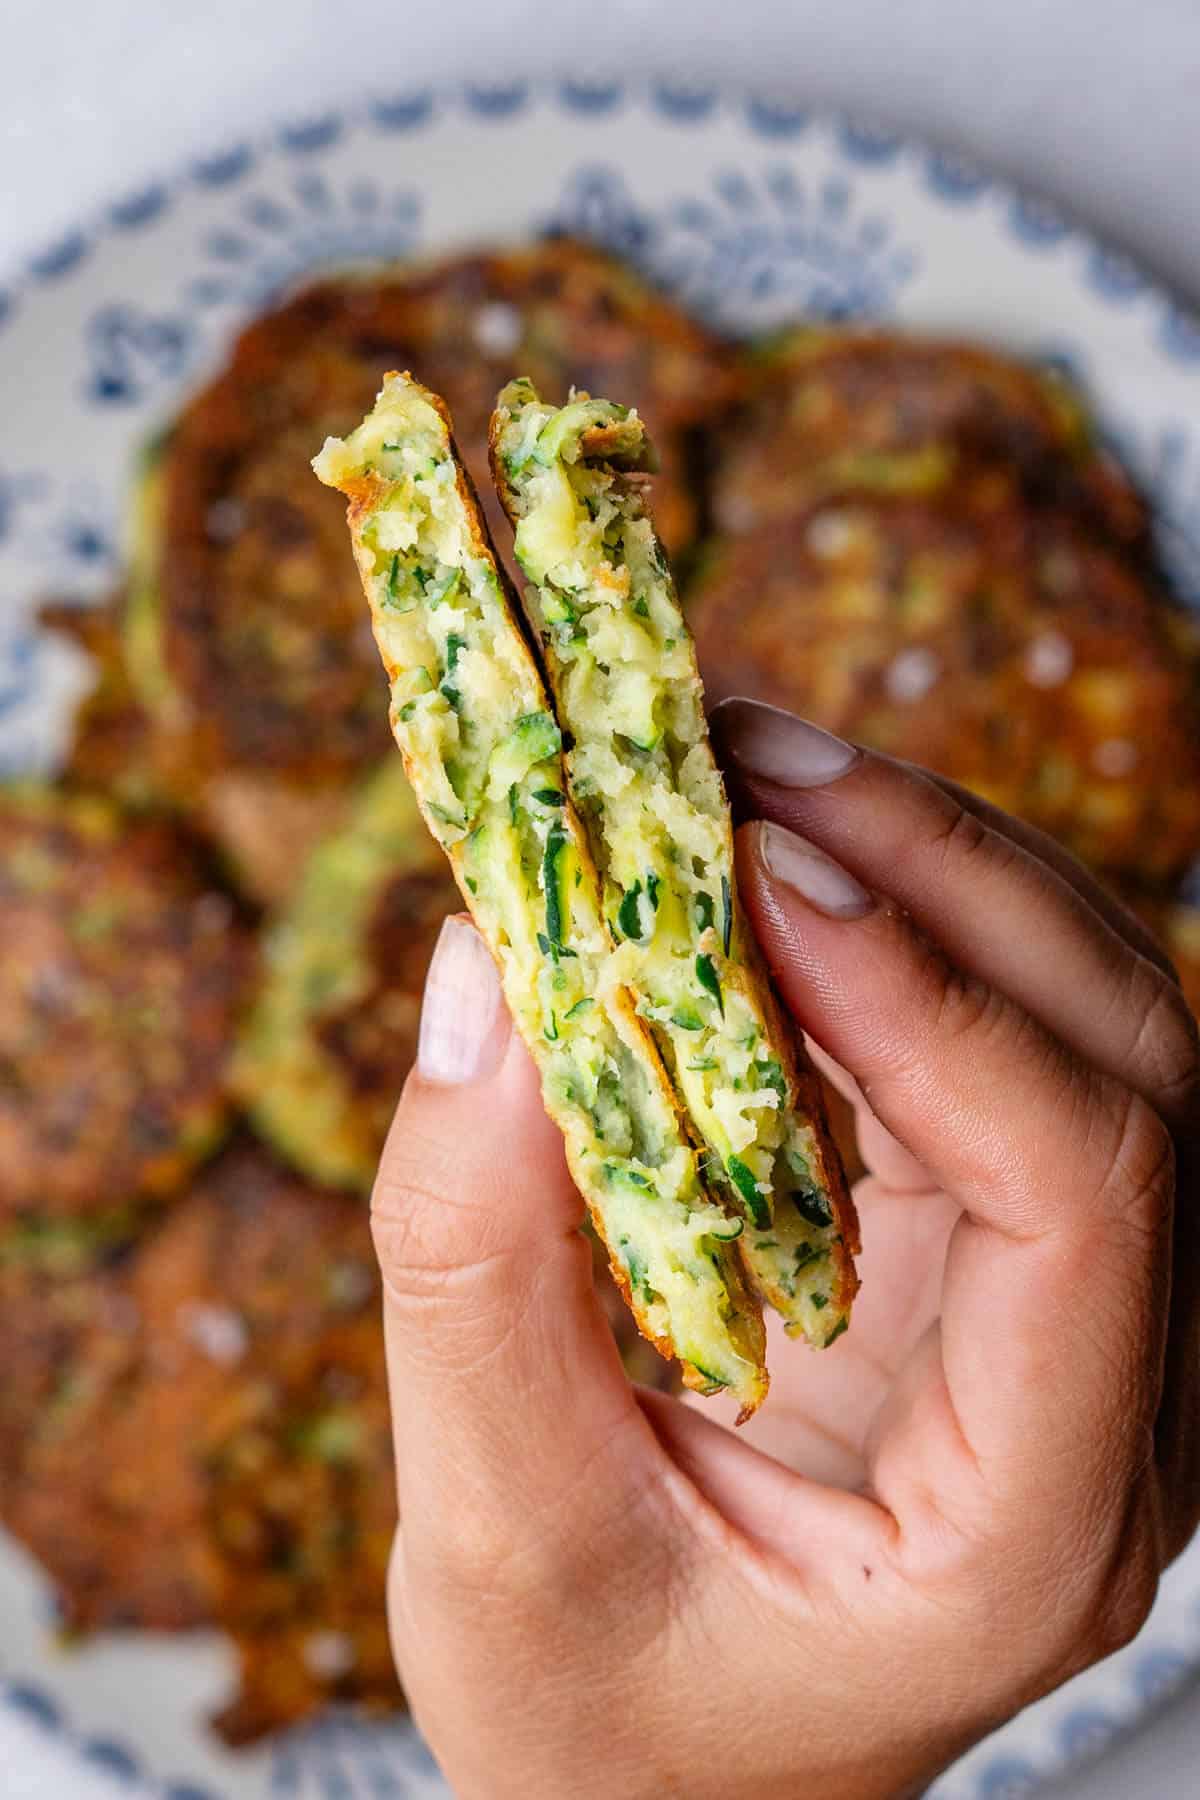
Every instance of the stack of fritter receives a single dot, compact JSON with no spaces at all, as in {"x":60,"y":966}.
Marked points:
{"x":217,"y":925}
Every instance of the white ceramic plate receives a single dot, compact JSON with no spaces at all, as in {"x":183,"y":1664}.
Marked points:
{"x":753,"y":210}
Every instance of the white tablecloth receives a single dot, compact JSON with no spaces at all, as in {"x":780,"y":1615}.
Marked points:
{"x":1095,"y":102}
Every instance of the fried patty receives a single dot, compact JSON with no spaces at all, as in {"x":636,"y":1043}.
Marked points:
{"x":120,"y":980}
{"x":246,"y":635}
{"x":843,"y":412}
{"x":333,"y":1031}
{"x":1006,"y":647}
{"x":199,"y":1434}
{"x":111,"y":747}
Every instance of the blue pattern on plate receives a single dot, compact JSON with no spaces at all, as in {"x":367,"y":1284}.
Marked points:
{"x":685,"y":104}
{"x":1086,"y":1733}
{"x":223,"y":169}
{"x":129,"y":351}
{"x":741,"y":236}
{"x":776,"y":118}
{"x":497,"y":100}
{"x":1037,"y":222}
{"x":954,"y":177}
{"x":116,"y":1760}
{"x":592,"y":96}
{"x":403,"y":112}
{"x":307,"y":135}
{"x":1008,"y":1778}
{"x":60,"y":258}
{"x":865,"y":142}
{"x":139,"y":208}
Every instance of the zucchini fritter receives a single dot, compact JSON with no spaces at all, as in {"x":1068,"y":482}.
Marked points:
{"x":119,"y":984}
{"x":622,"y":670}
{"x":333,"y":1032}
{"x":838,"y":412}
{"x":198,"y":1434}
{"x":1008,"y":648}
{"x":111,"y":748}
{"x":484,"y":754}
{"x":247,"y":642}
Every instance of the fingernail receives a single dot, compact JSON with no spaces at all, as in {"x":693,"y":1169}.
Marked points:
{"x":781,"y":748}
{"x":807,"y":871}
{"x":464,"y":1024}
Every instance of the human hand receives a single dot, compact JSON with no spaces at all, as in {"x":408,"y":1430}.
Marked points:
{"x":598,"y":1591}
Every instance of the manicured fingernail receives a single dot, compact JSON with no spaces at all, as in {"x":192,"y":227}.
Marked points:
{"x":464,"y":1024}
{"x":807,"y":871}
{"x":781,"y":748}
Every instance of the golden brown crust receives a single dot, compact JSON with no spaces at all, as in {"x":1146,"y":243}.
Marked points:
{"x":1002,"y":645}
{"x":837,"y":412}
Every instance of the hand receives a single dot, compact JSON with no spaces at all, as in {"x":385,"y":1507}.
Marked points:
{"x":602,"y":1592}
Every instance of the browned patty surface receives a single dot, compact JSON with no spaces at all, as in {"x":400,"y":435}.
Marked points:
{"x":839,"y":412}
{"x":199,"y":1433}
{"x":1006,"y":646}
{"x":120,"y":979}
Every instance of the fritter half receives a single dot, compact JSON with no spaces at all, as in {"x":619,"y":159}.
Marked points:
{"x":120,"y":980}
{"x":484,"y":754}
{"x":1006,"y":647}
{"x":622,"y":672}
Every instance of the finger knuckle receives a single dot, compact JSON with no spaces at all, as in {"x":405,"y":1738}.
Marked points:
{"x":1166,"y":1046}
{"x":1137,"y":1183}
{"x":958,"y":837}
{"x":962,"y":1006}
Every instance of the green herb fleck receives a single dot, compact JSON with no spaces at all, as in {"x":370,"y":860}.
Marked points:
{"x":629,"y":916}
{"x":621,"y":1175}
{"x":813,"y":1207}
{"x":548,"y":796}
{"x":837,"y":1331}
{"x":580,"y":1007}
{"x":820,"y":1301}
{"x":808,"y":1253}
{"x":706,"y":975}
{"x":653,"y":886}
{"x":641,"y":608}
{"x":726,"y":913}
{"x":742,"y":1177}
{"x":687,"y":1019}
{"x":770,"y":1074}
{"x":552,"y":861}
{"x":704,"y":911}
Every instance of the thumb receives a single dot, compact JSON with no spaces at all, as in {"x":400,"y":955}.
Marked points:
{"x":504,"y":1378}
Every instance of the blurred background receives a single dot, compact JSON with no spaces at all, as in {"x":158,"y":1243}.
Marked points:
{"x":1093,"y":107}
